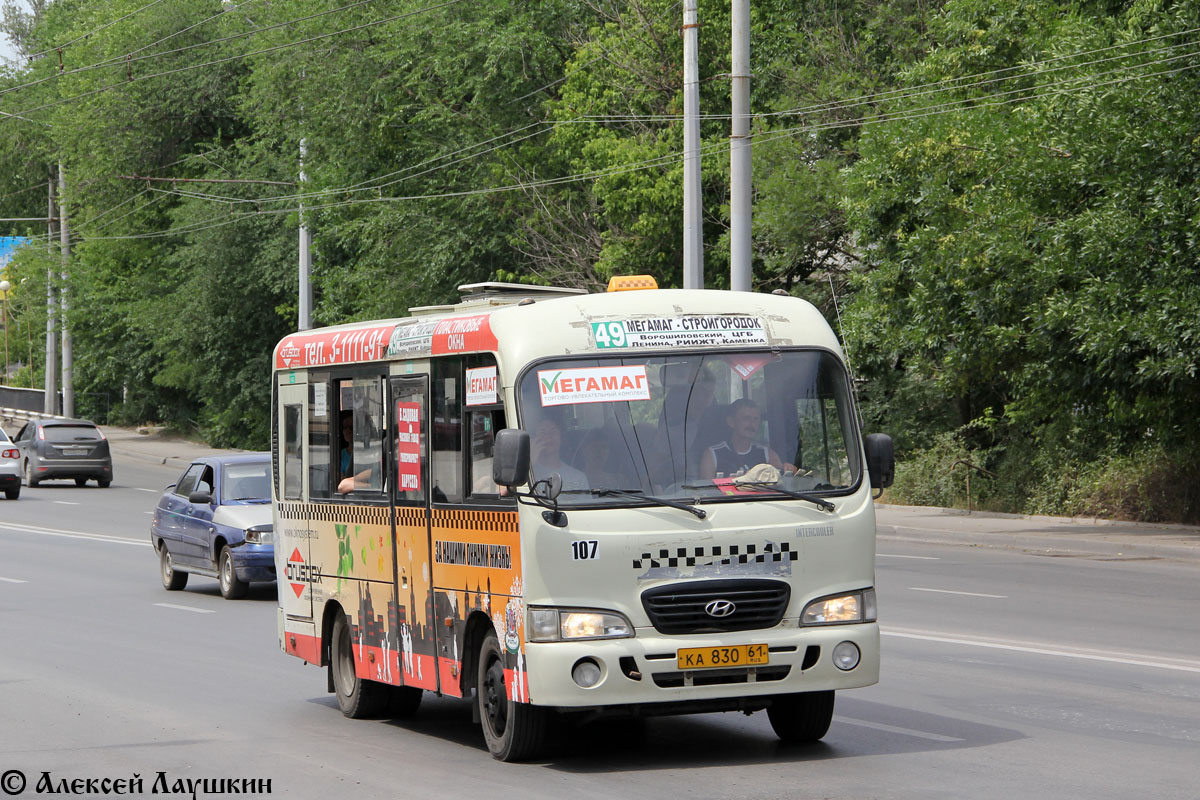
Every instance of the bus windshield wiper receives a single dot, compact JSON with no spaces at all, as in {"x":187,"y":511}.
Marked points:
{"x":699,"y":512}
{"x":821,"y":502}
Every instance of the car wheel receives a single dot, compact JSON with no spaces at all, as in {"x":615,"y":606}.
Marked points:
{"x":802,"y":717}
{"x":81,"y":481}
{"x":13,"y":493}
{"x":358,"y":698}
{"x":103,"y":484}
{"x":512,"y":730}
{"x":232,"y":587}
{"x":30,"y":481}
{"x":172,"y":581}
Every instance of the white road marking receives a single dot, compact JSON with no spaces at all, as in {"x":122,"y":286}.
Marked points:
{"x":186,"y":608}
{"x":140,"y":489}
{"x":65,"y":503}
{"x":99,"y":537}
{"x":12,"y":580}
{"x":1037,"y":648}
{"x":919,"y":558}
{"x":879,"y":726}
{"x":968,"y":594}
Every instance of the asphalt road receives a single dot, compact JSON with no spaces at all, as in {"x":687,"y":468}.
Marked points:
{"x":1009,"y":670}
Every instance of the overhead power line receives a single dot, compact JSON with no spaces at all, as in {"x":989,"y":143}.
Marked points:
{"x":967,"y":104}
{"x":93,"y":32}
{"x":127,"y":59}
{"x":239,"y":56}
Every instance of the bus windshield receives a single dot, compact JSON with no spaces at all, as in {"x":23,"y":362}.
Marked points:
{"x":692,"y":427}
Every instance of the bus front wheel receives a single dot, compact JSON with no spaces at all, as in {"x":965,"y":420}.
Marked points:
{"x":357,"y":698}
{"x":802,"y":717}
{"x":512,"y":730}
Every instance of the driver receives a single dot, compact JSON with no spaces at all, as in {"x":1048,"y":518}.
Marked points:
{"x":738,"y":453}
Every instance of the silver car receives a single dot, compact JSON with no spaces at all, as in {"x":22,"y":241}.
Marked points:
{"x":10,"y":467}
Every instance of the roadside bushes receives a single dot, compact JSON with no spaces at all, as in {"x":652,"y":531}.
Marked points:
{"x":1151,"y":484}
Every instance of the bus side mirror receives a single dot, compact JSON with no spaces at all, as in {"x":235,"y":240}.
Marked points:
{"x":881,"y":460}
{"x":510,"y":460}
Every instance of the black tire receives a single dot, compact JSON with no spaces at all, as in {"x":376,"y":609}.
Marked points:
{"x":81,"y":482}
{"x":232,"y":587}
{"x":103,"y":484}
{"x":172,"y":580}
{"x":512,"y":730}
{"x":403,"y":701}
{"x":13,"y":493}
{"x":30,"y":481}
{"x":358,"y":698}
{"x":803,"y":717}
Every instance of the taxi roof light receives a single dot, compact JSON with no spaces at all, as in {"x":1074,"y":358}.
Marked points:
{"x":628,"y":283}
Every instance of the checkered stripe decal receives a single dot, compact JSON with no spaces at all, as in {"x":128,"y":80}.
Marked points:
{"x":336,"y":512}
{"x":717,"y":554}
{"x":411,"y":517}
{"x":495,"y":521}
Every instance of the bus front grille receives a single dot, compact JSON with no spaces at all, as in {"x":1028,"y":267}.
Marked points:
{"x":720,"y":677}
{"x":716,"y":606}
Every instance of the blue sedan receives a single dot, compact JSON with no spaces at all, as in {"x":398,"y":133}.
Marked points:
{"x":216,"y":521}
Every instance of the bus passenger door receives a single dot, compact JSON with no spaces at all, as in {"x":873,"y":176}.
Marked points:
{"x":293,"y":568}
{"x":410,"y":426}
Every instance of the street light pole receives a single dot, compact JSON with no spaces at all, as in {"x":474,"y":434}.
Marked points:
{"x":50,"y":398}
{"x":4,"y":287}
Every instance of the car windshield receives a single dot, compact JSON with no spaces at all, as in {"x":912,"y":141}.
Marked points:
{"x":3,"y":437}
{"x":71,"y":433}
{"x":248,"y":481}
{"x":692,"y":428}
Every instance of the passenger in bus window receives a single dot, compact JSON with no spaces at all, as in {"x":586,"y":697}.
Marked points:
{"x":545,"y":455}
{"x":344,"y":460}
{"x":739,"y":452}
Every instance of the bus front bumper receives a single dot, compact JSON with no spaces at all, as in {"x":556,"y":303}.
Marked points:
{"x":644,"y":670}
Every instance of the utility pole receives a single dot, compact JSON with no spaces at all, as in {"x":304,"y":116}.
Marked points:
{"x":50,"y":398}
{"x":693,"y":208}
{"x":739,"y":151}
{"x":68,"y":355}
{"x":305,"y":257}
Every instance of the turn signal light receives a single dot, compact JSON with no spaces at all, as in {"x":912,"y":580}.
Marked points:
{"x":628,"y":283}
{"x":11,"y":454}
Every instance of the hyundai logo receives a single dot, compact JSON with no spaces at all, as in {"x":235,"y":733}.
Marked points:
{"x":719,"y":608}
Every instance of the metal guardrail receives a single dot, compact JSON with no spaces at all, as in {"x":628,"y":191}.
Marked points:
{"x":10,"y":416}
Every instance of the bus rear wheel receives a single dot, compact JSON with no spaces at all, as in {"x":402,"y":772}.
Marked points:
{"x":512,"y":730}
{"x":802,"y":717}
{"x":357,"y":698}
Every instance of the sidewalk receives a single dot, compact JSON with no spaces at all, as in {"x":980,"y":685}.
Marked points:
{"x":153,"y":446}
{"x":1063,"y":536}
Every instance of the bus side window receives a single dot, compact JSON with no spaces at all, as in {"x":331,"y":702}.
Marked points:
{"x":447,"y":432}
{"x":367,"y":439}
{"x":319,"y":479}
{"x":484,"y":425}
{"x":293,"y":457}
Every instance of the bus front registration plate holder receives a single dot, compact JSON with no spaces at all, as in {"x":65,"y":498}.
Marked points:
{"x":740,"y":655}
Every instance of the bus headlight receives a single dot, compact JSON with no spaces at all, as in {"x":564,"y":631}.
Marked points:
{"x":560,"y":624}
{"x":259,"y":534}
{"x":839,"y":609}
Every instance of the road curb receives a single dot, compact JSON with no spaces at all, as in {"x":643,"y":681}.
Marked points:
{"x":1080,"y":545}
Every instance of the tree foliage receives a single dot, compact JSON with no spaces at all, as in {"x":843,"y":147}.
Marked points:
{"x":998,"y":196}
